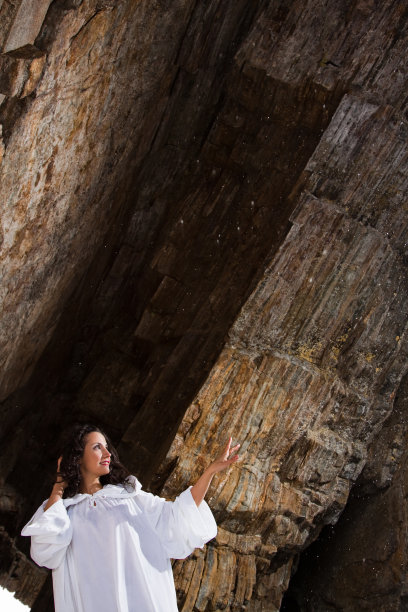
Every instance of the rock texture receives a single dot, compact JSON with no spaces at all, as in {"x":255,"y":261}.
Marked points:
{"x":57,"y":205}
{"x":205,"y":232}
{"x":21,"y":71}
{"x":361,"y":564}
{"x":17,"y":572}
{"x":314,"y":360}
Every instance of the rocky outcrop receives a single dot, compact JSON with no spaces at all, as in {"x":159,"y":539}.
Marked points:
{"x":314,"y":360}
{"x":21,"y":71}
{"x":204,"y":233}
{"x":361,"y":563}
{"x":89,"y":125}
{"x":305,"y":381}
{"x":17,"y":572}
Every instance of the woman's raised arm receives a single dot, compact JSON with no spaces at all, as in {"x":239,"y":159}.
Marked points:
{"x":222,"y":462}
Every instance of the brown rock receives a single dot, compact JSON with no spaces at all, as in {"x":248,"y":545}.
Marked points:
{"x":204,"y":206}
{"x":20,"y":71}
{"x":312,"y":364}
{"x":361,"y":564}
{"x":56,"y":197}
{"x":1,"y":149}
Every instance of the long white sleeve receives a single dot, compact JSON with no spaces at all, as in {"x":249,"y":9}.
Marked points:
{"x":181,"y":526}
{"x":51,"y":534}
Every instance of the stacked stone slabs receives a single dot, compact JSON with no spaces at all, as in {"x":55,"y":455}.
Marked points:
{"x":310,"y":370}
{"x":67,"y":148}
{"x":361,"y":563}
{"x":330,"y":44}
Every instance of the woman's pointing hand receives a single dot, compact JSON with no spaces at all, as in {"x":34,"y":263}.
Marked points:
{"x":226,"y":458}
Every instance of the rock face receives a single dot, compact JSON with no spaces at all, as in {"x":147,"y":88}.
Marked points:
{"x":362,"y":563}
{"x":21,"y":70}
{"x":302,"y":380}
{"x":57,"y":203}
{"x":17,"y":572}
{"x":205,"y":233}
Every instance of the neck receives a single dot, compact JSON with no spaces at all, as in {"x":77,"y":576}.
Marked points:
{"x":90,"y":484}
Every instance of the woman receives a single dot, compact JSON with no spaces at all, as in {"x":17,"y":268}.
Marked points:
{"x":108,"y":542}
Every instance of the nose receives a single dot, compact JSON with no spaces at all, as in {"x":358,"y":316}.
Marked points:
{"x":106,"y":454}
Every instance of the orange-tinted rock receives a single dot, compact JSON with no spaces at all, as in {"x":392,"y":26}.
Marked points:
{"x":87,"y":127}
{"x":175,"y":173}
{"x":361,"y":563}
{"x":20,"y":71}
{"x":312,"y":364}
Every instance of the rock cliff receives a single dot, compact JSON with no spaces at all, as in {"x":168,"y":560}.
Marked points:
{"x":204,"y":232}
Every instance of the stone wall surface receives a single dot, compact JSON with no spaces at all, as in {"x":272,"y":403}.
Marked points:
{"x":204,"y":233}
{"x":21,"y":21}
{"x":311,"y":367}
{"x":362,"y":563}
{"x":83,"y":131}
{"x":314,"y":360}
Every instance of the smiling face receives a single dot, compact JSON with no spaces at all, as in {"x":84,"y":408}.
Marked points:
{"x":96,"y":457}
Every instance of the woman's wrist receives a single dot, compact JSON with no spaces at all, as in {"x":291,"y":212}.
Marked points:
{"x":210,"y":471}
{"x":57,"y":489}
{"x":56,"y":494}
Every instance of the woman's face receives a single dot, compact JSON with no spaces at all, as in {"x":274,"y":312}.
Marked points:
{"x":96,"y":457}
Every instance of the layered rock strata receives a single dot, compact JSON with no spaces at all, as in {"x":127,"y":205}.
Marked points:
{"x":361,"y":563}
{"x":179,"y":167}
{"x":84,"y":131}
{"x":312,"y":364}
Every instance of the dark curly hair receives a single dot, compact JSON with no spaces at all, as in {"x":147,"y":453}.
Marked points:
{"x":73,"y":450}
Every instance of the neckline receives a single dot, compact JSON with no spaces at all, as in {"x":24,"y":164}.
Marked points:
{"x":91,"y":494}
{"x":108,"y":490}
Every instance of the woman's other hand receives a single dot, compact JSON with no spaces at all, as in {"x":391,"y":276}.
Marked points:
{"x":60,"y":484}
{"x":58,"y":489}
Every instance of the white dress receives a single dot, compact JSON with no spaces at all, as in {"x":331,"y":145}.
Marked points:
{"x":110,"y":552}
